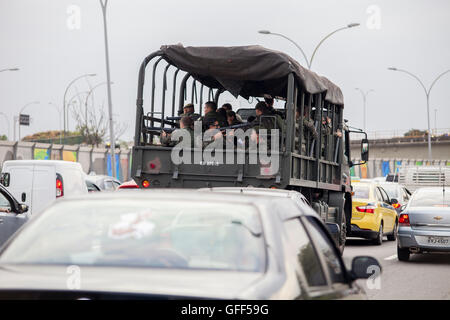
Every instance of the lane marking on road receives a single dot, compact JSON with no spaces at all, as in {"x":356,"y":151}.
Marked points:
{"x":391,"y":257}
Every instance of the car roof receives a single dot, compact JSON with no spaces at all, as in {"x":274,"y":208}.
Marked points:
{"x":42,"y":162}
{"x":196,"y":195}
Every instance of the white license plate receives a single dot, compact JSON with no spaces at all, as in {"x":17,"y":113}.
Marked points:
{"x":438,"y":241}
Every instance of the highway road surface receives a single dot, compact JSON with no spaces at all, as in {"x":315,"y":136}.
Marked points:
{"x":425,"y":276}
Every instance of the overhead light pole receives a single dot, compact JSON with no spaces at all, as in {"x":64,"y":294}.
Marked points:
{"x":310,"y":61}
{"x":364,"y":95}
{"x":60,"y":125}
{"x":104,"y":4}
{"x":87,"y":98}
{"x":427,"y":93}
{"x":9,"y":69}
{"x":65,"y":93}
{"x":18,"y":118}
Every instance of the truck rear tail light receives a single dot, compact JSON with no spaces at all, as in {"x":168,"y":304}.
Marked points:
{"x":366,"y":209}
{"x":404,"y":219}
{"x":145,"y":184}
{"x":59,"y":186}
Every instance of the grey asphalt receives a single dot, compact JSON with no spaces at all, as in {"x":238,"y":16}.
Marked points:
{"x":424,"y":277}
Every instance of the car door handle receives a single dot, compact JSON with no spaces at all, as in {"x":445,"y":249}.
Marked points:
{"x":1,"y":221}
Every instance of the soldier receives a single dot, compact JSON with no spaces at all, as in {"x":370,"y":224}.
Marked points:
{"x":188,"y":110}
{"x":211,"y":112}
{"x":266,"y":120}
{"x":186,"y":123}
{"x":327,"y":133}
{"x":269,"y":102}
{"x":228,"y":107}
{"x":232,"y":119}
{"x":308,"y":127}
{"x":210,"y":124}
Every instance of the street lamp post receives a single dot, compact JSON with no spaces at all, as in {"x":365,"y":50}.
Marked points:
{"x":310,"y":61}
{"x":364,"y":95}
{"x":104,"y":4}
{"x":60,"y":125}
{"x":87,"y":98}
{"x":18,"y":119}
{"x":427,"y":93}
{"x":65,"y":93}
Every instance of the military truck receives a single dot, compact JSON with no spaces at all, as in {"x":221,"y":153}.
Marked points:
{"x":316,"y":167}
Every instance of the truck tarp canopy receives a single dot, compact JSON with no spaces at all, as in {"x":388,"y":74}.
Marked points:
{"x":247,"y":70}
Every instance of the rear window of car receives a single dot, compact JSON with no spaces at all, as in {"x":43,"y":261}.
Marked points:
{"x":391,"y":190}
{"x":160,"y":234}
{"x":361,"y":191}
{"x":426,"y":198}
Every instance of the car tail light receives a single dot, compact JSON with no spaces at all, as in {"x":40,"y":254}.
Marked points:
{"x":133,"y":186}
{"x":366,"y":209}
{"x":145,"y":184}
{"x":404,"y":219}
{"x":396,"y":205}
{"x":59,"y":186}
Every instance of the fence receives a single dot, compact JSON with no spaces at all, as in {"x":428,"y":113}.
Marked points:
{"x":381,"y":167}
{"x":92,"y":159}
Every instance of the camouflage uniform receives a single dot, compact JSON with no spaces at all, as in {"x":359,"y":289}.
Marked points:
{"x":167,"y":140}
{"x":308,"y":126}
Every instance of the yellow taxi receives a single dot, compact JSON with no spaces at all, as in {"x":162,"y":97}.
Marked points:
{"x":373,"y":215}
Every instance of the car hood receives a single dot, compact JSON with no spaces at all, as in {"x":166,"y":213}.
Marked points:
{"x":158,"y":282}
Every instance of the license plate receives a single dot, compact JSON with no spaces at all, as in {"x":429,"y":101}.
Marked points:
{"x":438,"y":240}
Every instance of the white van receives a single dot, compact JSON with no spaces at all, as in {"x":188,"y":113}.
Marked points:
{"x":37,"y":183}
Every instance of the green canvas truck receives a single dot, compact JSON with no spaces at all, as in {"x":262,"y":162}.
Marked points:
{"x":317,"y":165}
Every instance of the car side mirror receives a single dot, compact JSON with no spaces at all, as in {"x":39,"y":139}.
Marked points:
{"x":364,"y":150}
{"x":23,"y":208}
{"x":364,"y":267}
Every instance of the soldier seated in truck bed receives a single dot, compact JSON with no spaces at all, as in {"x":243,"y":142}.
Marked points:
{"x":186,"y":124}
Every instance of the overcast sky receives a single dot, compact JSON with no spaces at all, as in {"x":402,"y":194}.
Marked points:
{"x":408,"y":34}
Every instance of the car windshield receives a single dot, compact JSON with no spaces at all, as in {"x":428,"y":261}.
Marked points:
{"x":428,"y":198}
{"x":361,"y":191}
{"x":391,"y":190}
{"x":137,"y":233}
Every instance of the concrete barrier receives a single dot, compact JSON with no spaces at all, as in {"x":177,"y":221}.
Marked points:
{"x":92,"y":159}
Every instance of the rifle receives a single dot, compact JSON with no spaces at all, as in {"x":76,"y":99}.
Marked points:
{"x":159,"y":129}
{"x":173,"y":118}
{"x":237,"y":126}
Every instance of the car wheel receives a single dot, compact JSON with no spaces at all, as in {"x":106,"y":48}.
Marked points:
{"x":403,"y":254}
{"x":343,"y":234}
{"x":378,"y":241}
{"x":393,"y":236}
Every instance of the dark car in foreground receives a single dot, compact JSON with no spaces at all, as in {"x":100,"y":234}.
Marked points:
{"x":424,"y":224}
{"x":12,"y":214}
{"x":170,"y":244}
